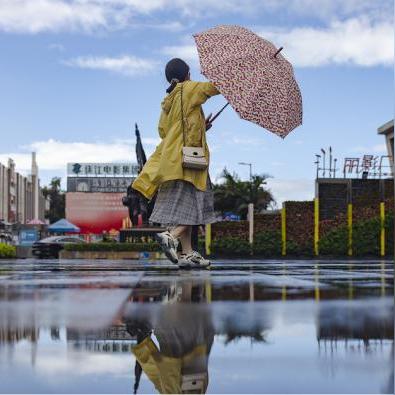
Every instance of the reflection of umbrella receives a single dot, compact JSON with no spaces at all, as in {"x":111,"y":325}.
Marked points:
{"x":252,"y":75}
{"x":140,"y":154}
{"x":63,"y":226}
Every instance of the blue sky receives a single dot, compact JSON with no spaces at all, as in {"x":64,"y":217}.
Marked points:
{"x":75,"y":75}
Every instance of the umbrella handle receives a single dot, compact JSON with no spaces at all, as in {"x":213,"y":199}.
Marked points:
{"x":219,"y":112}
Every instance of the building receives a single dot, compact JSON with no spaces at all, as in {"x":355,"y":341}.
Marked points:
{"x":21,"y":198}
{"x":94,"y":195}
{"x":387,"y":130}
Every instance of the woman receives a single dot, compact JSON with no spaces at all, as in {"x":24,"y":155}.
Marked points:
{"x":185,"y":197}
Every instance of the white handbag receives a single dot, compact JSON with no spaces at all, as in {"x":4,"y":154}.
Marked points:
{"x":192,"y":157}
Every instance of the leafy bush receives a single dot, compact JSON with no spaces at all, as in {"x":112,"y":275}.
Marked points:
{"x":230,"y":246}
{"x":267,"y":243}
{"x":334,"y":242}
{"x":299,"y":249}
{"x":7,"y":251}
{"x":366,"y":237}
{"x":389,"y":233}
{"x":112,"y":247}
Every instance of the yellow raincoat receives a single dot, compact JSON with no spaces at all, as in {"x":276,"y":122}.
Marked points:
{"x":166,"y":373}
{"x":165,"y":164}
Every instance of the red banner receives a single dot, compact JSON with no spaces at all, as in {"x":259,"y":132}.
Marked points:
{"x":95,"y":212}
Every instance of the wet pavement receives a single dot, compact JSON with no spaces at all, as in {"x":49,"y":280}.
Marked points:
{"x":241,"y":327}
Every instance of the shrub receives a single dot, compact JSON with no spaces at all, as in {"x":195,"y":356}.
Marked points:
{"x":230,"y":246}
{"x":389,"y":233}
{"x":300,"y":249}
{"x":267,"y":243}
{"x":334,"y":242}
{"x":366,"y":237}
{"x":7,"y":251}
{"x":112,"y":247}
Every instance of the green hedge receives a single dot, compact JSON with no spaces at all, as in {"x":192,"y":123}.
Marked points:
{"x":230,"y":246}
{"x":112,"y":247}
{"x":366,"y":242}
{"x":365,"y":238}
{"x":267,"y":243}
{"x":334,"y":242}
{"x":7,"y":251}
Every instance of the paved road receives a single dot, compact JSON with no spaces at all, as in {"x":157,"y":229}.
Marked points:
{"x":301,"y":326}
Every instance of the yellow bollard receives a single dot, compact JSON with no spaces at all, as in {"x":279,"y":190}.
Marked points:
{"x":349,"y":224}
{"x":316,"y":283}
{"x":382,"y":229}
{"x":208,"y":291}
{"x":316,"y":226}
{"x":208,"y":239}
{"x":283,"y":232}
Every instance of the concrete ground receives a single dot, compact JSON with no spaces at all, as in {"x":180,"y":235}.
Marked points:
{"x":292,"y":326}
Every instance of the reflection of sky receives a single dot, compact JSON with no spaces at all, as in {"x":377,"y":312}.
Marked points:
{"x":289,"y":361}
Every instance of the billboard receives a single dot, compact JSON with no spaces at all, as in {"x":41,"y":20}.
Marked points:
{"x":121,"y":169}
{"x":98,"y":184}
{"x":95,"y":212}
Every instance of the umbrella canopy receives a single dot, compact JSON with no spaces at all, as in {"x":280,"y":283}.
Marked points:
{"x":140,"y":153}
{"x":252,"y":75}
{"x":63,"y":226}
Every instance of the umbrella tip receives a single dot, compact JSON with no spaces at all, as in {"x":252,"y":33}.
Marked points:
{"x":278,"y":51}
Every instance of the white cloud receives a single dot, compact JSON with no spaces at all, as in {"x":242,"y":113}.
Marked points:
{"x":27,"y":16}
{"x":292,"y":189}
{"x":187,"y":52}
{"x":34,"y":16}
{"x":323,"y":9}
{"x":357,"y":41}
{"x":126,"y":64}
{"x":55,"y":154}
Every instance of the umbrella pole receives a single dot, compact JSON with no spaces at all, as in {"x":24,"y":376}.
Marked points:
{"x":219,"y":112}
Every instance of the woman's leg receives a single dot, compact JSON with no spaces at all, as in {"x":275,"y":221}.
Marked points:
{"x":184,"y":233}
{"x":178,"y":230}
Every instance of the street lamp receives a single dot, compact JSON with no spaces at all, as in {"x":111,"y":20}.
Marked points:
{"x":250,"y":165}
{"x":247,"y":164}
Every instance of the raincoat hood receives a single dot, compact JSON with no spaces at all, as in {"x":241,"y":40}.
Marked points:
{"x":169,"y":99}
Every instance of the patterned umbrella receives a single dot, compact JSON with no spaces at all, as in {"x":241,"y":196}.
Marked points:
{"x":252,"y":75}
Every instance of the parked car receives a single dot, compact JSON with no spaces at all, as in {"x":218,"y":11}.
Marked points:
{"x":50,"y":246}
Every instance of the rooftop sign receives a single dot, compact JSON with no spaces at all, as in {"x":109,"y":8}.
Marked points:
{"x":121,"y":169}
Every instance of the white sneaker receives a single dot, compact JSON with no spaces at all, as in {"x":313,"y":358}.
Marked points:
{"x":169,"y":245}
{"x":192,"y":260}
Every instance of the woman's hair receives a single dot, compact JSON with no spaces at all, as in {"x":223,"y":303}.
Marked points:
{"x":176,"y":71}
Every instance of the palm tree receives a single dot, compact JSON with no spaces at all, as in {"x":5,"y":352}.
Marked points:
{"x":56,"y":198}
{"x":234,"y":195}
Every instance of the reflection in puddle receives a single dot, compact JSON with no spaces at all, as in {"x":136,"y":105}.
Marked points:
{"x":197,"y":333}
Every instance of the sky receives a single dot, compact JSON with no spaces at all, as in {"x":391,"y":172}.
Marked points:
{"x":75,"y":75}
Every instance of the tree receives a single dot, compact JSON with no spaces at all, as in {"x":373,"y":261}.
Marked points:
{"x":56,"y":198}
{"x":233,"y":195}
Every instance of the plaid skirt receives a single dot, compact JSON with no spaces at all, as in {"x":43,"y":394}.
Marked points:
{"x":179,"y":203}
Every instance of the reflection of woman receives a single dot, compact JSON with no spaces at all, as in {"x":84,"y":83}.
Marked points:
{"x":185,"y":335}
